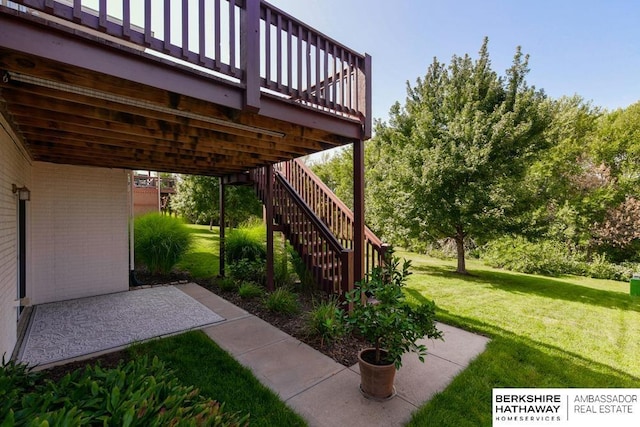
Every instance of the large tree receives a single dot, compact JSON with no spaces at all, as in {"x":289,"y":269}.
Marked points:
{"x":450,"y":161}
{"x":336,"y":171}
{"x":587,"y":184}
{"x":568,"y":186}
{"x":616,"y":148}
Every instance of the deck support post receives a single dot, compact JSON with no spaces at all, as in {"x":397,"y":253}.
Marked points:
{"x":222,"y":223}
{"x":358,"y":209}
{"x":250,"y":54}
{"x":268,"y":214}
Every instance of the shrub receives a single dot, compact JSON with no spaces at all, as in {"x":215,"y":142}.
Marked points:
{"x":250,"y":290}
{"x":518,"y":254}
{"x":249,"y":271}
{"x":326,"y":320}
{"x":551,"y":258}
{"x":601,"y":268}
{"x":139,"y":393}
{"x":160,"y":241}
{"x":282,"y":301}
{"x":246,"y":254}
{"x":628,"y":269}
{"x":246,"y":243}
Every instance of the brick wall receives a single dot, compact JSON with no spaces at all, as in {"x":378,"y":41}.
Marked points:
{"x":15,"y":168}
{"x":145,"y":200}
{"x":79,"y":218}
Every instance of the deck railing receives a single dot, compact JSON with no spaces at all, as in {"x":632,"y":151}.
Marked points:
{"x":248,"y":41}
{"x":330,"y":264}
{"x":146,"y":181}
{"x":306,"y":65}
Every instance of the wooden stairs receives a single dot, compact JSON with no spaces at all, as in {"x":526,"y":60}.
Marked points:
{"x":318,"y":225}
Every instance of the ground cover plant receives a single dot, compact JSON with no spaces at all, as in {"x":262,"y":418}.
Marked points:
{"x":160,"y":242}
{"x":326,"y":320}
{"x":250,"y":290}
{"x":141,"y":392}
{"x":283,"y":301}
{"x":198,"y":361}
{"x":185,"y":378}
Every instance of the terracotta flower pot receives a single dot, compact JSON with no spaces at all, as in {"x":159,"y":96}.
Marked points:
{"x":376,"y":381}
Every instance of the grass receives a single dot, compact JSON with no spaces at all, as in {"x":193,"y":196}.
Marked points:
{"x":202,"y":260}
{"x":198,"y":361}
{"x":546,"y":332}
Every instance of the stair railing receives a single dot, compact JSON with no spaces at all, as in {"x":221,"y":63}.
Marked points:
{"x":331,"y":210}
{"x":329,"y":262}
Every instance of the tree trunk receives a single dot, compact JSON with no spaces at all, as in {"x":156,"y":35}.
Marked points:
{"x":462,"y":269}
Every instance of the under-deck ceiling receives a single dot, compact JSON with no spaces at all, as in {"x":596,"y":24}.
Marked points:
{"x":70,"y":115}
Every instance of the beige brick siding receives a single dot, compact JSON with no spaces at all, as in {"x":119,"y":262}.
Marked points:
{"x":77,"y":236}
{"x":79,"y":232}
{"x":15,"y":168}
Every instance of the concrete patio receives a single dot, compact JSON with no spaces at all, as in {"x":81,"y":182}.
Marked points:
{"x":323,"y":391}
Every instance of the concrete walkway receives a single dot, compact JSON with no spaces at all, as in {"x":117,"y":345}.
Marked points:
{"x":323,"y":391}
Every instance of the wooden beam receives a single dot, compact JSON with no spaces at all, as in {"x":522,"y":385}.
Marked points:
{"x":136,"y":137}
{"x":165,"y":165}
{"x":72,"y":51}
{"x":86,"y":106}
{"x":279,"y":110}
{"x":76,"y":147}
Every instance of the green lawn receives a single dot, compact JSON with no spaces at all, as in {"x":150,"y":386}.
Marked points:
{"x":202,"y":260}
{"x":546,"y":332}
{"x":198,"y":361}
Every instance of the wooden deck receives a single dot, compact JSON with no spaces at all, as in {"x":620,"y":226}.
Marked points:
{"x":141,"y":89}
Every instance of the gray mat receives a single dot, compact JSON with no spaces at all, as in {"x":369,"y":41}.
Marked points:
{"x":68,"y":329}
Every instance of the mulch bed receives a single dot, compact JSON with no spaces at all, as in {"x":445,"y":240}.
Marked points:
{"x":344,"y":350}
{"x":107,"y":361}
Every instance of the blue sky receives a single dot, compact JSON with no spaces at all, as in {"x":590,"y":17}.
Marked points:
{"x":585,"y":47}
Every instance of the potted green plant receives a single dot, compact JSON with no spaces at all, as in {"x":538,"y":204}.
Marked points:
{"x":383,"y":317}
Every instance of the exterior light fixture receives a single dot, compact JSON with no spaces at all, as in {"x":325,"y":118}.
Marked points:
{"x":23,"y":192}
